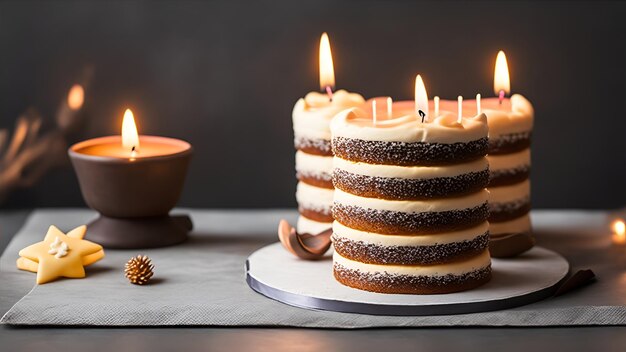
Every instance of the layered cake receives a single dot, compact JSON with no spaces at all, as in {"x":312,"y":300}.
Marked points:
{"x":314,"y":158}
{"x":510,"y":129}
{"x":410,"y":204}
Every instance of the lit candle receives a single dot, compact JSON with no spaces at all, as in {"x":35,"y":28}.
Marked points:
{"x":76,"y":97}
{"x":459,"y":100}
{"x":436,"y":101}
{"x":133,"y":189}
{"x":327,"y":71}
{"x":389,"y":107}
{"x":478,"y":109}
{"x":421,"y":99}
{"x":501,"y":82}
{"x":619,"y":232}
{"x":127,"y":145}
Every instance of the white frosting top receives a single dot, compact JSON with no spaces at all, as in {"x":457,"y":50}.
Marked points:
{"x":413,"y":206}
{"x":455,"y":268}
{"x":58,"y":248}
{"x":410,"y":172}
{"x":518,"y":119}
{"x":419,"y":240}
{"x":314,"y":198}
{"x":357,"y":123}
{"x":313,"y":164}
{"x":509,"y":161}
{"x":509,"y":193}
{"x":312,"y":114}
{"x":517,"y":225}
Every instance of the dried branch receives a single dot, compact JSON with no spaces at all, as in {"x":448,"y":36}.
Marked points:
{"x":28,"y":155}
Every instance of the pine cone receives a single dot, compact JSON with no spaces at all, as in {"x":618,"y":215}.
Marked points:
{"x":138,"y":270}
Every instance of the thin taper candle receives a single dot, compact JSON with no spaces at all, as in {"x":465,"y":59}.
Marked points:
{"x":460,"y":106}
{"x":436,"y":99}
{"x":374,"y":111}
{"x":478,"y":109}
{"x":389,"y":107}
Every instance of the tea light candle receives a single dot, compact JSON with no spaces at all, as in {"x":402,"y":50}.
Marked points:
{"x":133,"y":181}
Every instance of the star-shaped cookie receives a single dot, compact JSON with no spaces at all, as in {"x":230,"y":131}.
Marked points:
{"x":79,"y":232}
{"x":60,"y":255}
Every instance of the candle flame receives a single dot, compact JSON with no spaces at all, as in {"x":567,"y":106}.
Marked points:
{"x":76,"y":97}
{"x":327,"y":71}
{"x":130,"y":138}
{"x":619,"y":227}
{"x":501,"y":79}
{"x":421,"y":97}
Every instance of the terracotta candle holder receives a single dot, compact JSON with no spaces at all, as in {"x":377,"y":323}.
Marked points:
{"x":133,"y":195}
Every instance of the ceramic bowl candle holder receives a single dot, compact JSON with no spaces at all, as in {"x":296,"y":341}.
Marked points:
{"x":133,"y":195}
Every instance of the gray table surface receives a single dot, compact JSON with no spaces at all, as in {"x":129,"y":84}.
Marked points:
{"x":290,"y":339}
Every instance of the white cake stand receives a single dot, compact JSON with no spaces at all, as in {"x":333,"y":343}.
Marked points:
{"x":277,"y":274}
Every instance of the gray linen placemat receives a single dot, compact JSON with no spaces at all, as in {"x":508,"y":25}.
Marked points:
{"x":202,"y":281}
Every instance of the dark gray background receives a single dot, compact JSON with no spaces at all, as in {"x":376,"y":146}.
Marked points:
{"x":225,"y":74}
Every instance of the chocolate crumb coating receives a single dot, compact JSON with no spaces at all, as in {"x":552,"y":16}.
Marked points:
{"x":407,"y":284}
{"x":399,"y":223}
{"x":509,"y":143}
{"x":408,"y":154}
{"x":314,"y":146}
{"x":319,"y":215}
{"x":440,"y":253}
{"x":322,"y":180}
{"x":509,"y":176}
{"x":409,"y":189}
{"x":499,"y":212}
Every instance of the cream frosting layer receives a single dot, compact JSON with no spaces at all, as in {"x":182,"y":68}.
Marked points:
{"x":413,"y":206}
{"x":343,"y":231}
{"x":314,"y":198}
{"x":509,"y":161}
{"x":312,"y":114}
{"x":480,"y":261}
{"x":357,"y":123}
{"x":313,"y":164}
{"x":517,"y":225}
{"x":515,"y":115}
{"x":516,"y":120}
{"x":306,"y":225}
{"x":410,"y":172}
{"x":509,"y":193}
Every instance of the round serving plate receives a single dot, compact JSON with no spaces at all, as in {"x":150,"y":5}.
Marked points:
{"x":277,"y":274}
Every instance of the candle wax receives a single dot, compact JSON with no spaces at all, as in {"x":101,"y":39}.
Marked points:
{"x":149,"y":146}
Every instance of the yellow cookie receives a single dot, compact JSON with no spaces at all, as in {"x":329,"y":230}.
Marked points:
{"x":31,"y":265}
{"x":59,"y":255}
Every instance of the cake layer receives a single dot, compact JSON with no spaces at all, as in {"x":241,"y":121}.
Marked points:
{"x":408,"y":154}
{"x":306,"y":225}
{"x":509,"y":202}
{"x":521,"y":224}
{"x":313,"y":146}
{"x":314,"y":202}
{"x":414,"y":279}
{"x":412,"y":206}
{"x":410,"y":172}
{"x":399,"y":223}
{"x":440,"y":248}
{"x":314,"y":170}
{"x":509,"y":143}
{"x":507,"y":169}
{"x":394,"y":188}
